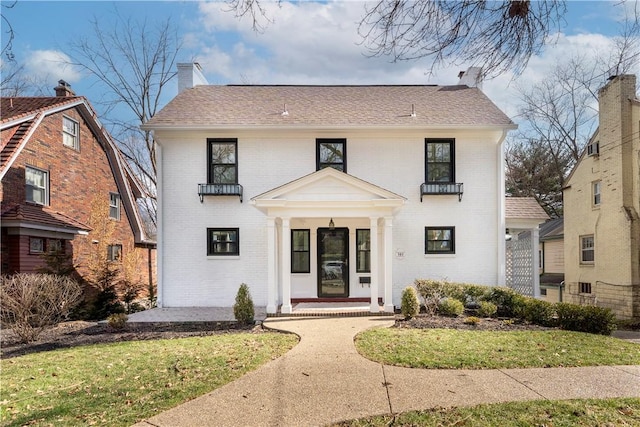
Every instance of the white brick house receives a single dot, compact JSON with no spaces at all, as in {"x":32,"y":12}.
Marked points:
{"x":326,"y":192}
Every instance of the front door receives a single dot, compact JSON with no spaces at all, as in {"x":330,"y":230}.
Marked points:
{"x":333,"y":262}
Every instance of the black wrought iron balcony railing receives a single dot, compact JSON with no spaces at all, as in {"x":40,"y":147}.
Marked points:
{"x":219,"y":190}
{"x":437,"y":188}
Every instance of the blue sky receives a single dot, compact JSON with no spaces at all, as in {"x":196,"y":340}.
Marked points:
{"x":308,"y":43}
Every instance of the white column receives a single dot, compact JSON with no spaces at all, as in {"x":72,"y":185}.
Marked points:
{"x":501,"y":240}
{"x":375,"y":264}
{"x":535,"y":260}
{"x":388,"y":264}
{"x":285,"y":262}
{"x":272,"y":305}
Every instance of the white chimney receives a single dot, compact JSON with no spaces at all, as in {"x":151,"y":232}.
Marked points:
{"x":472,"y":77}
{"x":190,"y":75}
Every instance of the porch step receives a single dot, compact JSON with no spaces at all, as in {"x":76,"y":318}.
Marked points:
{"x":331,"y":309}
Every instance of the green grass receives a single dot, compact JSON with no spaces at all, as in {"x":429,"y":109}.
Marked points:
{"x":120,"y":384}
{"x":460,"y":349}
{"x":563,"y":413}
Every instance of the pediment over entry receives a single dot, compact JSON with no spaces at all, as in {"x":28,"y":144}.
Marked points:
{"x":330,"y":189}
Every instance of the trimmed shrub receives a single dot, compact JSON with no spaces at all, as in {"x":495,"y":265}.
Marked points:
{"x":243,"y":309}
{"x":509,"y":302}
{"x":451,"y":307}
{"x":581,"y":318}
{"x":410,"y":306}
{"x":431,"y":292}
{"x":472,"y":320}
{"x":29,"y":303}
{"x":539,"y":312}
{"x":486,"y":309}
{"x":474,"y":294}
{"x":117,"y":321}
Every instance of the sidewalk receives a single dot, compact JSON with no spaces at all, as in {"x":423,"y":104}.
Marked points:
{"x":324,"y":380}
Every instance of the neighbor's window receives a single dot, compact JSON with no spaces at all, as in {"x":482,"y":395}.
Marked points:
{"x":300,"y":251}
{"x":596,"y":193}
{"x":585,"y":287}
{"x":114,"y":252}
{"x":36,"y":245}
{"x":223,"y":161}
{"x":363,"y":251}
{"x":587,"y":251}
{"x":55,"y":245}
{"x":114,"y":206}
{"x":440,"y":160}
{"x":70,"y":133}
{"x":331,"y":153}
{"x":440,"y":240}
{"x":223,"y":241}
{"x":37,"y":185}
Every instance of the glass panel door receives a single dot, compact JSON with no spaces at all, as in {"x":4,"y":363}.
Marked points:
{"x":333,"y":262}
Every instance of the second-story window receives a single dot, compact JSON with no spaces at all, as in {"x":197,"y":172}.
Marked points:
{"x":223,"y":161}
{"x":70,"y":133}
{"x":331,"y":153}
{"x":114,"y":206}
{"x":440,"y":160}
{"x":596,"y":193}
{"x":37,"y":185}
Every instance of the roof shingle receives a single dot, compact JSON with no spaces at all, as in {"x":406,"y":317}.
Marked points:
{"x":327,"y":106}
{"x":524,"y":208}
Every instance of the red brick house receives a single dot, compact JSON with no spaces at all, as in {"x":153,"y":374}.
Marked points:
{"x":60,"y":171}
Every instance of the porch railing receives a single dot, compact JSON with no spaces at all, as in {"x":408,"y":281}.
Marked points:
{"x":219,"y":190}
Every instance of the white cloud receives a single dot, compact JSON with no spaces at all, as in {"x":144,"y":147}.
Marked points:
{"x":49,"y":66}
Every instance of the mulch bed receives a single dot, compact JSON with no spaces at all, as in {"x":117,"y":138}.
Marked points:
{"x":424,"y":321}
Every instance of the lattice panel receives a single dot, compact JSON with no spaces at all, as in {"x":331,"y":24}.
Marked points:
{"x":519,"y":266}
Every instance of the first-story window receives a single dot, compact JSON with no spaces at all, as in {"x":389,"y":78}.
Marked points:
{"x":300,"y":255}
{"x":55,"y":245}
{"x":37,"y":185}
{"x":36,"y":245}
{"x":114,"y":252}
{"x":223,"y":241}
{"x":585,"y":287}
{"x":363,"y":251}
{"x":587,"y":250}
{"x":440,"y":240}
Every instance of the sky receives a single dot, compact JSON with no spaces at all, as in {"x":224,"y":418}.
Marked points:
{"x":306,"y":43}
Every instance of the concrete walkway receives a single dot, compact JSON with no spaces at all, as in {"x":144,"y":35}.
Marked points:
{"x":324,"y":380}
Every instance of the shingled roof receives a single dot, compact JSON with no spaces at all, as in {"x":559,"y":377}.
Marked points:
{"x":524,"y":208}
{"x":20,"y":107}
{"x":233,"y":106}
{"x":41,"y":216}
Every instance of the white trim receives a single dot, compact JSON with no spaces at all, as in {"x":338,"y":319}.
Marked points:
{"x":285,"y":262}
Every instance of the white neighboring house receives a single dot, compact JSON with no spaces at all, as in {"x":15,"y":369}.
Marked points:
{"x":326,"y":193}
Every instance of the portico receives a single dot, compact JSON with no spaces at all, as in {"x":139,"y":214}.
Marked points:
{"x":336,"y":218}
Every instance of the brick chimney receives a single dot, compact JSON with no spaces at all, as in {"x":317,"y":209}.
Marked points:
{"x":64,"y":89}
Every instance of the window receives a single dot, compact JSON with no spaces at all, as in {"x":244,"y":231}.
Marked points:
{"x":596,"y":193}
{"x":584,"y":287}
{"x":223,"y":241}
{"x":440,"y":240}
{"x":440,"y":160}
{"x":55,"y":245}
{"x":223,"y":161}
{"x":331,"y":153}
{"x":36,"y":245}
{"x":70,"y":133}
{"x":114,"y":252}
{"x":363,"y":251}
{"x":587,"y":253}
{"x":37,"y":186}
{"x":300,"y":255}
{"x":114,"y":206}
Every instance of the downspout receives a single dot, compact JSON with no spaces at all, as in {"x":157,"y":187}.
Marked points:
{"x":502,"y":263}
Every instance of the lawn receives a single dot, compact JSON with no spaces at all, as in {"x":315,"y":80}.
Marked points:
{"x":120,"y":384}
{"x":460,"y":349}
{"x":563,"y":413}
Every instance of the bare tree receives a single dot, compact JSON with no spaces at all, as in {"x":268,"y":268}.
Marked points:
{"x":497,"y":36}
{"x":134,"y":61}
{"x":8,"y":33}
{"x":15,"y":81}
